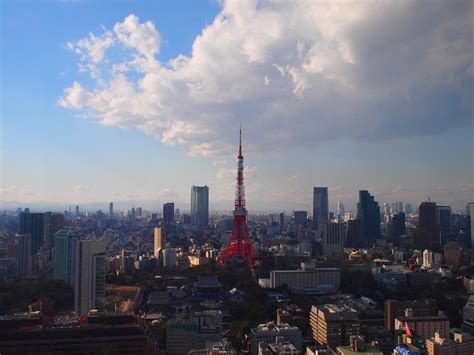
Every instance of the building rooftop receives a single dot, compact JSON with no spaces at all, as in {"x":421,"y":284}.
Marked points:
{"x":369,"y":350}
{"x":270,"y":326}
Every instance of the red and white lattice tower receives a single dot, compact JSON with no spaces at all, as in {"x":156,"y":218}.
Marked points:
{"x":239,"y":245}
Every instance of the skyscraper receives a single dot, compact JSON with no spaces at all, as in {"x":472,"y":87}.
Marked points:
{"x":354,"y":233}
{"x":89,"y":276}
{"x":340,"y":210}
{"x":52,"y":223}
{"x":65,"y":242}
{"x":470,"y":221}
{"x":368,"y":212}
{"x":23,"y":256}
{"x":111,"y":209}
{"x":428,"y":226}
{"x":332,"y":238}
{"x":33,"y":224}
{"x":77,"y":211}
{"x":200,"y":206}
{"x":169,"y":258}
{"x":396,"y":227}
{"x":320,"y":206}
{"x":159,"y":240}
{"x":300,"y":218}
{"x":443,"y":218}
{"x":168,"y":213}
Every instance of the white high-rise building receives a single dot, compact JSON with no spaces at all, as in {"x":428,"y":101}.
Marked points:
{"x":89,"y":276}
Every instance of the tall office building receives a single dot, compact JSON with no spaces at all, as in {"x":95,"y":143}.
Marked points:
{"x":282,"y":219}
{"x":320,"y":206}
{"x":397,"y":207}
{"x":33,"y":224}
{"x":169,"y":258}
{"x":65,"y":242}
{"x":368,"y":212}
{"x":443,"y":218}
{"x":333,"y":239}
{"x":111,"y":209}
{"x":200,"y":206}
{"x":52,"y":223}
{"x":89,"y":276}
{"x":23,"y":255}
{"x":470,"y":221}
{"x":427,"y":221}
{"x":77,"y":211}
{"x":168,"y":213}
{"x":408,"y":208}
{"x":159,"y":240}
{"x":354,"y":233}
{"x":300,"y":218}
{"x":396,"y":227}
{"x":340,"y":210}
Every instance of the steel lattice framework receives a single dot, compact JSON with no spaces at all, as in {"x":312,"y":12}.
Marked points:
{"x":239,"y":245}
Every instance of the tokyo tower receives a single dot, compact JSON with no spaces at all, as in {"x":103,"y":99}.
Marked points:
{"x":239,"y":247}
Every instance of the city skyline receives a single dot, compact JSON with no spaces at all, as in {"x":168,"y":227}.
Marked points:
{"x":348,"y":123}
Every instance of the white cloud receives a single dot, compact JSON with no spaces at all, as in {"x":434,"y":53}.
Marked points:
{"x":81,"y":188}
{"x":140,"y":36}
{"x":293,"y":178}
{"x":294,"y":74}
{"x":8,"y":190}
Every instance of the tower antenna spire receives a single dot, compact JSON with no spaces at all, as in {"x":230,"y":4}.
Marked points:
{"x":240,"y":140}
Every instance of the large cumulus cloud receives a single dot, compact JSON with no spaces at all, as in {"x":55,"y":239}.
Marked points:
{"x":294,"y":73}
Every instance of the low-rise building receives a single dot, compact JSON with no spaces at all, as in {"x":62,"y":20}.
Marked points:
{"x":357,"y":346}
{"x":333,"y":325}
{"x":424,"y":327}
{"x":439,"y":345}
{"x":394,"y":309}
{"x":200,"y":329}
{"x":309,"y":279}
{"x":268,"y":332}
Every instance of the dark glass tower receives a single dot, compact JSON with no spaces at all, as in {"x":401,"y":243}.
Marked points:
{"x":396,"y":228}
{"x":320,"y":206}
{"x":428,"y":231}
{"x":33,"y":224}
{"x":168,"y":213}
{"x":368,"y":212}
{"x":52,"y":223}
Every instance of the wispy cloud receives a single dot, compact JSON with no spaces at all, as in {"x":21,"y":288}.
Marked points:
{"x":81,"y":188}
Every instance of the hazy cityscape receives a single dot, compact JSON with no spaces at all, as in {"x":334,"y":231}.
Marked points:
{"x":237,"y":177}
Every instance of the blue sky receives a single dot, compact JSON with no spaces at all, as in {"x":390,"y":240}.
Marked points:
{"x":365,"y":115}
